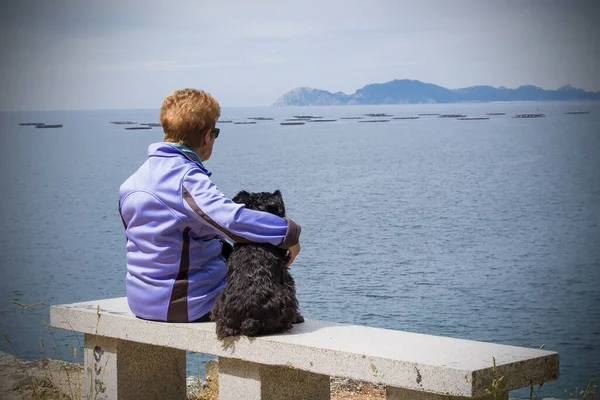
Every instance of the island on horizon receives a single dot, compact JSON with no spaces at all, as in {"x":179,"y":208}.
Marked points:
{"x":406,"y":91}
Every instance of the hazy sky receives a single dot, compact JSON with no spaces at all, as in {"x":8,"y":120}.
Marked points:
{"x":78,"y":54}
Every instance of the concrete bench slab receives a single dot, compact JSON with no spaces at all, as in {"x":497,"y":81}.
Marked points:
{"x":410,"y":364}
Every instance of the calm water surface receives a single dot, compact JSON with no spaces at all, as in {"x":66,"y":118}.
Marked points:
{"x":484,"y":230}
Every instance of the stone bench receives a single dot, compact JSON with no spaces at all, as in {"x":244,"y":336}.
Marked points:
{"x":130,"y":358}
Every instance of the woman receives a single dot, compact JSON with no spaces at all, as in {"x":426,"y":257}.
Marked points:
{"x":175,"y":218}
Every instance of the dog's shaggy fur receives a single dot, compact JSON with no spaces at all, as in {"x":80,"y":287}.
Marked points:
{"x":260,"y":296}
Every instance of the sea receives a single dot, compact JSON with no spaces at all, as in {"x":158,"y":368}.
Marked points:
{"x":486,"y":230}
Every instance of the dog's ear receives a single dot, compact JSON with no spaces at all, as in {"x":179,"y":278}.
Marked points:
{"x":276,"y":205}
{"x":242,"y":197}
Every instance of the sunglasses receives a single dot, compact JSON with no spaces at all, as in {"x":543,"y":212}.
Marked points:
{"x":216,"y":132}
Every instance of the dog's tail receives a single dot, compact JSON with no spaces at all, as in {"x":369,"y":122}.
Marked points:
{"x":251,"y":327}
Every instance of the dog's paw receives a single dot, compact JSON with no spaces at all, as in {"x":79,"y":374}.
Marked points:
{"x":299,"y":319}
{"x":251,"y":327}
{"x":224,"y":332}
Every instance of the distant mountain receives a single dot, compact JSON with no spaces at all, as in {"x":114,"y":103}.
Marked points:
{"x":313,"y":97}
{"x":407,"y":91}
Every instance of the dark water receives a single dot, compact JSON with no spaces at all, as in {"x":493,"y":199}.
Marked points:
{"x":483,"y":230}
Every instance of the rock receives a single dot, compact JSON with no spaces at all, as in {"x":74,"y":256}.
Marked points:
{"x":195,"y":386}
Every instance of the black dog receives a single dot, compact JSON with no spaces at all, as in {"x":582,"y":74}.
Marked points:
{"x":260,"y":296}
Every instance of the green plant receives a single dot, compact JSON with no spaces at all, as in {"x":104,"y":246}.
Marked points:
{"x":497,"y":382}
{"x":590,"y":391}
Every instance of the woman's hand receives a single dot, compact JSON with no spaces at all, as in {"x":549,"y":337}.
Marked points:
{"x":292,"y":253}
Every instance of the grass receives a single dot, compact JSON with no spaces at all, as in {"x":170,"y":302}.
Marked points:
{"x":582,"y":394}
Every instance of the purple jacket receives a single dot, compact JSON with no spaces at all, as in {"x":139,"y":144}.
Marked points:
{"x":174,"y":218}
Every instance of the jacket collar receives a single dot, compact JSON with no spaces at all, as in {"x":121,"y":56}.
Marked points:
{"x":165,"y":149}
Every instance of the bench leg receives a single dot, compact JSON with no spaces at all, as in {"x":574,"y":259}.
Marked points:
{"x":393,"y":393}
{"x":124,"y":370}
{"x":241,"y":380}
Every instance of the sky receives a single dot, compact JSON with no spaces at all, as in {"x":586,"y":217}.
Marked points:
{"x":126,"y":54}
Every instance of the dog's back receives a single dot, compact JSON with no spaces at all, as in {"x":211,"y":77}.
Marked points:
{"x":260,"y":296}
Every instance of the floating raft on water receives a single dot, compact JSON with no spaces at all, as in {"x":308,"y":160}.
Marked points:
{"x":321,"y":120}
{"x":49,"y":126}
{"x":378,"y":115}
{"x":31,"y":123}
{"x":406,"y":117}
{"x":529,"y":116}
{"x":123,"y":122}
{"x":152,"y":124}
{"x":428,"y":114}
{"x":292,"y":123}
{"x":137,"y":128}
{"x":452,"y":116}
{"x":577,"y":112}
{"x":352,"y":117}
{"x":495,"y":114}
{"x":472,"y":118}
{"x":244,"y":123}
{"x":261,"y":118}
{"x":375,"y":120}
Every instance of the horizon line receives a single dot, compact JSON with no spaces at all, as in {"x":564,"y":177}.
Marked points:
{"x":338,"y":105}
